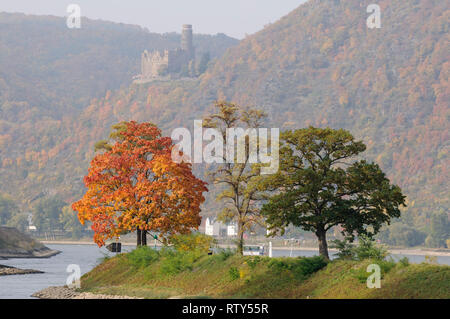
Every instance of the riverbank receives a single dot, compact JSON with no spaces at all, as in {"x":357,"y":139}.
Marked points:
{"x":69,"y":293}
{"x":14,"y":244}
{"x":395,"y":251}
{"x":41,"y":253}
{"x":8,"y":271}
{"x":74,"y":242}
{"x":54,"y":268}
{"x":232,"y":276}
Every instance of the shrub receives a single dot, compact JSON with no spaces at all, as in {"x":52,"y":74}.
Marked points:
{"x":404,"y":261}
{"x":142,"y":256}
{"x":193,"y":242}
{"x":278,"y":265}
{"x":344,"y":247}
{"x":300,"y":267}
{"x":310,"y":265}
{"x":253,"y":261}
{"x":367,"y":249}
{"x":244,"y":271}
{"x":234,"y":273}
{"x":224,"y":254}
{"x":174,"y":262}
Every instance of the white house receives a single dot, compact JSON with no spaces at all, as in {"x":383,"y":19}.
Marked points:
{"x":216,"y":228}
{"x":232,"y":230}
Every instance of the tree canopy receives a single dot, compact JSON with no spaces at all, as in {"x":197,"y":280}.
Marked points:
{"x":238,"y":180}
{"x":135,"y":185}
{"x":318,"y":187}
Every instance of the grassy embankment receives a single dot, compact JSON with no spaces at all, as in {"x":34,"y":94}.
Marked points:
{"x":152,"y":275}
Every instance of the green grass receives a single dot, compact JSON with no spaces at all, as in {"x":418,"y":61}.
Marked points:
{"x":165,"y":274}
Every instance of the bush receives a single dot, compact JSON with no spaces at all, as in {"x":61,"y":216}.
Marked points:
{"x":142,"y":256}
{"x":193,"y":242}
{"x":234,"y":273}
{"x":310,"y":265}
{"x":224,"y":254}
{"x":344,"y":247}
{"x":367,"y":249}
{"x":174,"y":262}
{"x":253,"y":261}
{"x":404,"y":261}
{"x":278,"y":265}
{"x":300,"y":267}
{"x":244,"y":271}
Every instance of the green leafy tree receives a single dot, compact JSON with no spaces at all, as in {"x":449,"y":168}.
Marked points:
{"x":366,"y":249}
{"x":70,"y":222}
{"x":318,"y":187}
{"x":344,"y":248}
{"x":19,"y":221}
{"x":7,"y":208}
{"x":46,"y":214}
{"x":440,"y":230}
{"x":399,"y":234}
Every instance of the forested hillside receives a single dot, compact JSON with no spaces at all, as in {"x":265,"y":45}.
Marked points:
{"x":48,"y":76}
{"x":46,"y":65}
{"x":320,"y":65}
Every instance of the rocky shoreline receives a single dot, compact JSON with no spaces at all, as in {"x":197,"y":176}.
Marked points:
{"x":14,"y":244}
{"x":69,"y":293}
{"x":38,"y":253}
{"x":8,"y":270}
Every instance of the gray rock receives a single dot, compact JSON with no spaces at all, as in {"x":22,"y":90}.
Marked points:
{"x":8,"y":270}
{"x":69,"y":293}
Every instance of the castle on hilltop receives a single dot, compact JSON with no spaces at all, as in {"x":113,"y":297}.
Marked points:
{"x":179,"y":62}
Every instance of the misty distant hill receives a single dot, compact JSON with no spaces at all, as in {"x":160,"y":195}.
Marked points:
{"x":50,"y":73}
{"x":46,"y":65}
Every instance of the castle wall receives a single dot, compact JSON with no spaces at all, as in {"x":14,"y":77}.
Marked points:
{"x":178,"y":60}
{"x":174,"y":61}
{"x":153,"y":63}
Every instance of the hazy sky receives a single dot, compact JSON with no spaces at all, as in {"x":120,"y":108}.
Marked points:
{"x":232,"y":17}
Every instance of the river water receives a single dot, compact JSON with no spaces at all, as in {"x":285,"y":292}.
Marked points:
{"x":87,"y":257}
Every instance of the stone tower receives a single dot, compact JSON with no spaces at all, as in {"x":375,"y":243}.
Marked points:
{"x":186,"y":40}
{"x":170,"y":63}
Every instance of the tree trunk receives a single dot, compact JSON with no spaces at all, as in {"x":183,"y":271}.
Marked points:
{"x":139,"y":237}
{"x":323,"y":246}
{"x":240,"y":242}
{"x":144,"y":238}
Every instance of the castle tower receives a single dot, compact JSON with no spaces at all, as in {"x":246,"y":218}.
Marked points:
{"x":186,"y":40}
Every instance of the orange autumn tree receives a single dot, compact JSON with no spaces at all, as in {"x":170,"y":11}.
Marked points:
{"x":135,"y":185}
